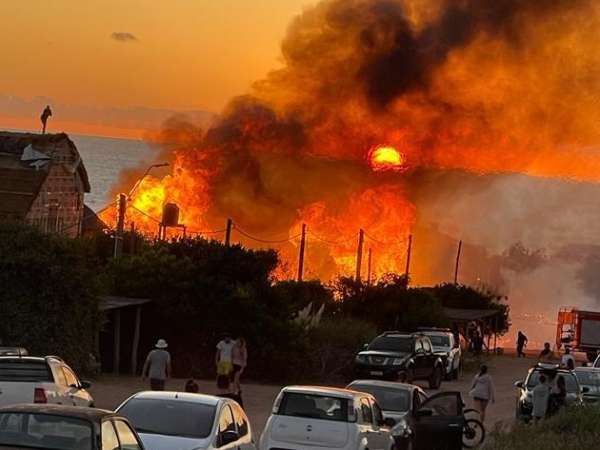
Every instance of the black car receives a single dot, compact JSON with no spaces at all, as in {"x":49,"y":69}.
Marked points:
{"x":400,"y":356}
{"x":409,"y":407}
{"x":56,"y":427}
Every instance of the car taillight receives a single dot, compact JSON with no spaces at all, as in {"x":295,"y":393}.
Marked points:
{"x":39,"y":396}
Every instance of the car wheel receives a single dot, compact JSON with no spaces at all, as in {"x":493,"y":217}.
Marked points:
{"x":436,"y":378}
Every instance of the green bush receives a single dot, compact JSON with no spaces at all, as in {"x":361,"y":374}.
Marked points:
{"x":333,"y":345}
{"x":49,"y":288}
{"x":571,"y":429}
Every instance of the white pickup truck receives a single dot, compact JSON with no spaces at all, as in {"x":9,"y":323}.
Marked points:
{"x":27,"y":379}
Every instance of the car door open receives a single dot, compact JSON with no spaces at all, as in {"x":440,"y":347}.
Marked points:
{"x":439,"y":422}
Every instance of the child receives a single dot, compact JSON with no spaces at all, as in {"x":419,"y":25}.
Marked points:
{"x":191,"y":385}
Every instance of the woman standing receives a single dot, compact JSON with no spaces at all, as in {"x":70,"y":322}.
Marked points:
{"x":482,"y":391}
{"x":240,"y":359}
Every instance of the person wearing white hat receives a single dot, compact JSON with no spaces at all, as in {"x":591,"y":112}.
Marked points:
{"x":157,"y":366}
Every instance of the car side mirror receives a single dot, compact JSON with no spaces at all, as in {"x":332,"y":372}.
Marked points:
{"x":85,"y":385}
{"x":229,"y":437}
{"x":424,"y":412}
{"x":519,"y":384}
{"x":585,"y":389}
{"x":388,"y":422}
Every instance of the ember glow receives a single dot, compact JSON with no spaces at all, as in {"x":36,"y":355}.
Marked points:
{"x":485,"y":86}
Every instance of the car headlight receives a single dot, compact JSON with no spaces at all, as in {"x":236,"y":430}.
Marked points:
{"x":361,"y":359}
{"x":398,"y":361}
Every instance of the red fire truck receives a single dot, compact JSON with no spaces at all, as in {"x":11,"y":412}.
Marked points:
{"x":579,"y":330}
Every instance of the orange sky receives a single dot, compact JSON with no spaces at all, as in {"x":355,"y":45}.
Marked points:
{"x":187,"y":55}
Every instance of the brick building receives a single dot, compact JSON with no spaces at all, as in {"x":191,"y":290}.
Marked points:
{"x":42,"y":181}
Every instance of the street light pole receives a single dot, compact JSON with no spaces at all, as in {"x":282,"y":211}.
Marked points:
{"x":122,"y":207}
{"x":139,"y":181}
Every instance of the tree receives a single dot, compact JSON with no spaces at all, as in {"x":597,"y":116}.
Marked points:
{"x":49,"y":293}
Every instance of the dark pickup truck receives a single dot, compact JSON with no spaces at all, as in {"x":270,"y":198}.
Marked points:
{"x":402,"y":357}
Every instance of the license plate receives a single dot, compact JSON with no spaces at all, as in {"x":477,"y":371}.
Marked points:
{"x":377,"y":374}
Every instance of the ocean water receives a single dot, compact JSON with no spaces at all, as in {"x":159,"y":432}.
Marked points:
{"x":104,"y":158}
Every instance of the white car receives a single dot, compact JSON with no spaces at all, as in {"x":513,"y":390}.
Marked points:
{"x":28,"y":379}
{"x":325,"y":418}
{"x":446,"y":347}
{"x":186,"y":421}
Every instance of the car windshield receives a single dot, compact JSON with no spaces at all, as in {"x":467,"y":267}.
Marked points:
{"x":45,"y":431}
{"x":389,"y":399}
{"x":588,"y":378}
{"x":439,"y":341}
{"x":314,"y":406}
{"x":403,"y":344}
{"x":551,"y":377}
{"x":170,"y":417}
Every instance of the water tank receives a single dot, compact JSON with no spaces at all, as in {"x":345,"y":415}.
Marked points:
{"x":170,"y":216}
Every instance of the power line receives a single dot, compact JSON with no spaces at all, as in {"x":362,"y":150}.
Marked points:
{"x":145,"y":213}
{"x":341,"y":241}
{"x":266,"y":241}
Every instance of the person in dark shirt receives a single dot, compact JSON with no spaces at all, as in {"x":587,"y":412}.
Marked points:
{"x":191,"y":385}
{"x":224,"y":390}
{"x":521,"y":343}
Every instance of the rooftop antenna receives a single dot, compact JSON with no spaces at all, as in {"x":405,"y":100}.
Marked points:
{"x":44,"y":117}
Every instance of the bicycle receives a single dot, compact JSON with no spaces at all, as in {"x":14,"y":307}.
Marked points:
{"x":473,"y":430}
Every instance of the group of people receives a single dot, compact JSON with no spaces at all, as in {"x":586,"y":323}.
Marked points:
{"x":548,"y":396}
{"x":231,"y":359}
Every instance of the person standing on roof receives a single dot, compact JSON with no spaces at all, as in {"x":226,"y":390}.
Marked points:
{"x":521,"y":344}
{"x":158,"y":366}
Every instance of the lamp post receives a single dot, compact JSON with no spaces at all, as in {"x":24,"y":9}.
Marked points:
{"x":122,"y":205}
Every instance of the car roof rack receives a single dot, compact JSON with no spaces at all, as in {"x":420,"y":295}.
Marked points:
{"x":445,"y":330}
{"x":547,"y":366}
{"x":13,"y":351}
{"x":386,"y":333}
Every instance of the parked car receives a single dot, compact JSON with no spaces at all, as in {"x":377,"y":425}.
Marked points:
{"x":28,"y":379}
{"x":589,"y":380}
{"x":524,"y":403}
{"x":186,"y":421}
{"x":446,"y":347}
{"x":414,"y":428}
{"x":400,"y":356}
{"x":56,"y":427}
{"x":323,"y":417}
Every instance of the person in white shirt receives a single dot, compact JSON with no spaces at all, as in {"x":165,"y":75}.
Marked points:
{"x":224,"y":356}
{"x":482,"y":391}
{"x":567,"y":359}
{"x":540,"y":398}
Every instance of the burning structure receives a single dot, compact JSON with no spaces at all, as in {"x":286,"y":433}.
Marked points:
{"x":371,"y":94}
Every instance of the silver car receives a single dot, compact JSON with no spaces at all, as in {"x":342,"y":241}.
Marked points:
{"x":185,"y":421}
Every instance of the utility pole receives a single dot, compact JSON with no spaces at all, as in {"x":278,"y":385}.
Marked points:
{"x":408,"y":251}
{"x":132,"y":239}
{"x":359,"y":251}
{"x":457,"y":262}
{"x":301,"y":256}
{"x":228,"y":232}
{"x":369,"y":267}
{"x":122,"y":206}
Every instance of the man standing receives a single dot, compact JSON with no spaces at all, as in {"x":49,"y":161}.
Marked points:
{"x":521,"y":343}
{"x":224,"y":356}
{"x":546,"y":355}
{"x":158,"y":366}
{"x":567,"y":361}
{"x":540,"y":397}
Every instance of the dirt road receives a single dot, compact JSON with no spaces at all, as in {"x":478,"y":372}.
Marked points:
{"x":110,"y":391}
